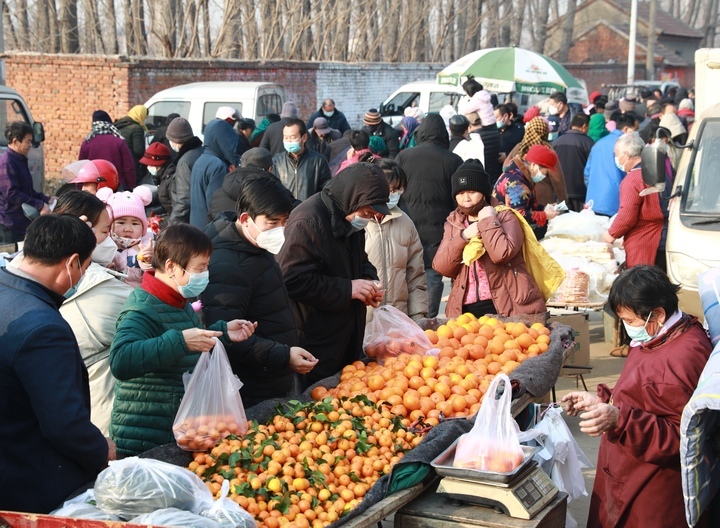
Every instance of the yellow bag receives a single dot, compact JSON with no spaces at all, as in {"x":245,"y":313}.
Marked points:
{"x":544,"y":269}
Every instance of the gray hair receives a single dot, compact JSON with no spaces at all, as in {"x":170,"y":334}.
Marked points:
{"x":631,"y":143}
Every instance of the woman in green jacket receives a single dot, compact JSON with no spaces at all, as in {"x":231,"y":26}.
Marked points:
{"x":159,"y":337}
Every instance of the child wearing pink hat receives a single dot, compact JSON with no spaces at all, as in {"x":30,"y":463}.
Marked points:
{"x":129,"y":231}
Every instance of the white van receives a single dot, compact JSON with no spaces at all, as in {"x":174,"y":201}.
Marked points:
{"x":198,"y":102}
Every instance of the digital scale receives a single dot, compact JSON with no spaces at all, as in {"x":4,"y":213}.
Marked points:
{"x":521,"y":493}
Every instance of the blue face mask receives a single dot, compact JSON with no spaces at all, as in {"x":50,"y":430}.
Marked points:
{"x":499,"y":124}
{"x":394,"y":199}
{"x":73,"y":287}
{"x":293,"y":147}
{"x":328,"y":114}
{"x":195,"y":286}
{"x":537,"y":178}
{"x":359,"y":223}
{"x":638,"y":333}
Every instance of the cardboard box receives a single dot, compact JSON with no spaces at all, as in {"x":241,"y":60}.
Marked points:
{"x":580,"y":322}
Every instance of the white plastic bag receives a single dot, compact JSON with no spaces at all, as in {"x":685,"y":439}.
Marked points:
{"x":83,"y":507}
{"x":174,"y":517}
{"x":492,"y":444}
{"x":391,"y":332}
{"x":133,"y":486}
{"x":211,"y":408}
{"x":228,"y":513}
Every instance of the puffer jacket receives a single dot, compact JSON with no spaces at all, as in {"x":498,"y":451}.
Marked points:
{"x":394,"y":248}
{"x":321,"y":257}
{"x":210,"y":169}
{"x":304,"y":176}
{"x":92,"y":312}
{"x":246,"y":283}
{"x":429,"y":167}
{"x":148,"y":357}
{"x":134,"y":136}
{"x":513,"y":289}
{"x":180,"y":170}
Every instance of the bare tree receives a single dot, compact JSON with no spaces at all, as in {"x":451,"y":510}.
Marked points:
{"x":567,"y":31}
{"x":69,"y":36}
{"x":541,"y":19}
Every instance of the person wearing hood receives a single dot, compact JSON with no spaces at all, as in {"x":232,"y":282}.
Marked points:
{"x":272,"y":138}
{"x":303,"y":172}
{"x":597,"y":129}
{"x":189,"y":148}
{"x":246,"y":283}
{"x":107,"y":143}
{"x":132,"y":128}
{"x":210,"y":169}
{"x":326,"y":271}
{"x":427,"y":199}
{"x":335,"y":118}
{"x":408,"y":125}
{"x":375,"y":126}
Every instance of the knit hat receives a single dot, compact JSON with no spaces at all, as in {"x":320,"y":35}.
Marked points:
{"x":101,"y":115}
{"x":531,"y":113}
{"x":257,"y":157}
{"x":377,"y":144}
{"x":227,"y":112}
{"x":372,"y":117}
{"x":485,"y":108}
{"x":321,"y":126}
{"x":156,"y":155}
{"x":627,"y":105}
{"x":542,"y":155}
{"x":128,"y":203}
{"x":289,"y":109}
{"x":471,"y":176}
{"x":179,"y":131}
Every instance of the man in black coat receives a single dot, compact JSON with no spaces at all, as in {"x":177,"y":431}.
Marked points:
{"x":189,"y":147}
{"x":273,"y":136}
{"x":375,"y":126}
{"x":336,"y":119}
{"x":428,"y":199}
{"x":573,"y":151}
{"x":326,"y":270}
{"x":245,"y":280}
{"x":511,"y":128}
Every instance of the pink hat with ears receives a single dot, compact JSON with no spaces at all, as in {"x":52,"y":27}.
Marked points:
{"x":128,"y":203}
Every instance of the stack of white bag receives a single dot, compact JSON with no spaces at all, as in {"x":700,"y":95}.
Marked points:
{"x":575,"y":241}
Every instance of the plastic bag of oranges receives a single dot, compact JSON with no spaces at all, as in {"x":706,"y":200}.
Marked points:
{"x":391,"y":333}
{"x":492,"y":444}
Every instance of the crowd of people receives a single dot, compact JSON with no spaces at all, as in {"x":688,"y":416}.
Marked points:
{"x":278,"y":239}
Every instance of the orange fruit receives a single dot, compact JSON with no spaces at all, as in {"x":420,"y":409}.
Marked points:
{"x":543,"y":339}
{"x":445,"y":331}
{"x":467,"y":339}
{"x":375,"y":382}
{"x":458,"y":403}
{"x":430,"y":361}
{"x":481,"y":340}
{"x":432,"y":336}
{"x":494,"y":367}
{"x":411,"y":401}
{"x":495,"y":347}
{"x":511,"y":344}
{"x":443,"y":388}
{"x":445,"y":407}
{"x":318,"y":393}
{"x":427,"y":372}
{"x":459,"y":332}
{"x":455,"y":343}
{"x":447,"y":352}
{"x":436,"y":397}
{"x":524,"y":340}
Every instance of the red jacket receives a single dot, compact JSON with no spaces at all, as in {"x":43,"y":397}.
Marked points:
{"x":637,"y":480}
{"x":639,"y":220}
{"x":513,"y":289}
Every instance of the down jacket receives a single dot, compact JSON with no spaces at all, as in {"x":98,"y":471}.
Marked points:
{"x":246,"y":283}
{"x":148,"y":358}
{"x":303,"y":176}
{"x":513,"y":289}
{"x":134,"y":136}
{"x":394,"y":248}
{"x":180,"y":169}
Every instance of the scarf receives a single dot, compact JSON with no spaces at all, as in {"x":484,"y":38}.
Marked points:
{"x":139,"y":113}
{"x":536,"y":133}
{"x":100,"y":128}
{"x":410,"y":124}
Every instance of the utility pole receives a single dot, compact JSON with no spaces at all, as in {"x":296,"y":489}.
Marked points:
{"x":631,"y":46}
{"x":650,"y":59}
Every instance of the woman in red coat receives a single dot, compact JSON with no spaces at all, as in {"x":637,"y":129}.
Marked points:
{"x":640,"y":219}
{"x":637,"y":481}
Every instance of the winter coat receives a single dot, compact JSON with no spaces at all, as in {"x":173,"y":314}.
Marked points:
{"x":491,"y":138}
{"x":134,"y":135}
{"x":322,"y":147}
{"x":210,"y":169}
{"x":48,"y":447}
{"x":513,"y":289}
{"x":180,"y":170}
{"x":225,"y":198}
{"x":639,"y":221}
{"x":454,"y":141}
{"x":92,"y":312}
{"x":428,"y":198}
{"x":516,"y":190}
{"x":393,"y":246}
{"x":246,"y":283}
{"x":337,"y":120}
{"x":116,"y":151}
{"x":471,"y":148}
{"x":573,"y":149}
{"x":638,"y":481}
{"x":148,"y":357}
{"x":511,"y":135}
{"x":549,"y":190}
{"x":272,"y":139}
{"x":391,"y":137}
{"x":321,"y":256}
{"x":243,"y":146}
{"x":16,"y":188}
{"x":602,"y":176}
{"x":304,"y":176}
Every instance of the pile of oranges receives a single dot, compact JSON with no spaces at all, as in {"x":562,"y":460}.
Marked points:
{"x":312,"y":463}
{"x":451,"y":384}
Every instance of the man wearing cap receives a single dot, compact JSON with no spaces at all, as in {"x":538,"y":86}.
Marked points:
{"x":156,"y":158}
{"x":303,"y":172}
{"x":375,"y":126}
{"x":335,"y":118}
{"x":273,"y":137}
{"x":189,"y":148}
{"x":228,"y":114}
{"x":105,"y":142}
{"x":325,"y":268}
{"x":320,"y":136}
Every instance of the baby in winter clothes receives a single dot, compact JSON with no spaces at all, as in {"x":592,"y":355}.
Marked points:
{"x":130,"y":232}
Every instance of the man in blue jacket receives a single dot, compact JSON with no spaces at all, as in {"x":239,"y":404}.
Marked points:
{"x":602,"y":176}
{"x":48,"y":446}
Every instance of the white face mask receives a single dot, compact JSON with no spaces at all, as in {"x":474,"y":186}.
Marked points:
{"x":175,"y":146}
{"x":153,"y":170}
{"x":552,"y":110}
{"x":271,"y":240}
{"x":104,"y":252}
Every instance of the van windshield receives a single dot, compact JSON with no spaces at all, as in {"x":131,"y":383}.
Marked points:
{"x":158,"y":112}
{"x":702,"y":195}
{"x":397,"y":105}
